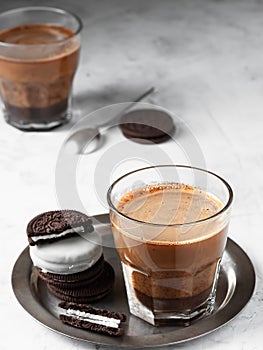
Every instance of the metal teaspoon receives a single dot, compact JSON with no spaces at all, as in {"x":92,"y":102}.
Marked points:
{"x":87,"y":140}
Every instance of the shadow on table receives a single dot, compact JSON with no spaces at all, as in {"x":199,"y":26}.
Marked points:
{"x":84,"y":103}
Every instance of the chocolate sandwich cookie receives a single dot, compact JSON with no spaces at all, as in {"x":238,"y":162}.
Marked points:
{"x":55,"y":225}
{"x":93,"y":319}
{"x":147,"y":126}
{"x":89,"y":292}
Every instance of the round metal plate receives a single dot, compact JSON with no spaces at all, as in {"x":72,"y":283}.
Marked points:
{"x":235,"y":288}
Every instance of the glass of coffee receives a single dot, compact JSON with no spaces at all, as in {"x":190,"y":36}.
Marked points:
{"x":39,"y":53}
{"x":170,"y":229}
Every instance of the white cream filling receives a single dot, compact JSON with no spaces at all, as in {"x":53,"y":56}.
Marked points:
{"x":66,"y":256}
{"x":79,"y":229}
{"x":97,"y":319}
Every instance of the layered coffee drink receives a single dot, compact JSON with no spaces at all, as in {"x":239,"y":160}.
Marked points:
{"x":170,"y":252}
{"x":37,"y":66}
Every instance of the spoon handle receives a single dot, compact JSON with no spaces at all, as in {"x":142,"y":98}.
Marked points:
{"x":138,"y":99}
{"x":145,"y":94}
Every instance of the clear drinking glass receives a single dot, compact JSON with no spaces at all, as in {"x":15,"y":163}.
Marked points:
{"x":170,"y":229}
{"x":39,"y":53}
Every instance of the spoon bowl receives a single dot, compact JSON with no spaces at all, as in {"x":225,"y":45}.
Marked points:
{"x":83,"y":141}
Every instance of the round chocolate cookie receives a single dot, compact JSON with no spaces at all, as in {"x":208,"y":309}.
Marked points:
{"x":55,"y":225}
{"x":147,"y":126}
{"x":74,"y":280}
{"x":88,"y":292}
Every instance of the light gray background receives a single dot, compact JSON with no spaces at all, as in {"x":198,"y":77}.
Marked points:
{"x":206,"y":58}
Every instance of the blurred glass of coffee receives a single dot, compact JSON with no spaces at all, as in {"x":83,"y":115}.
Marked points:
{"x":39,"y":54}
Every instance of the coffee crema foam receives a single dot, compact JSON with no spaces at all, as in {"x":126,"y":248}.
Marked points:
{"x":169,"y":204}
{"x":34,"y":42}
{"x":35,"y":34}
{"x":180,"y":208}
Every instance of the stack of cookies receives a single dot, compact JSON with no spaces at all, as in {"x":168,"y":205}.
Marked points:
{"x":67,"y":254}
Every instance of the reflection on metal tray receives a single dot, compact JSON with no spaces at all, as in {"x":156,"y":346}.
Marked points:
{"x":235,"y":288}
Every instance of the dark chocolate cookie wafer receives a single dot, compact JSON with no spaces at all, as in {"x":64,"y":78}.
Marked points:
{"x":147,"y":126}
{"x":88,"y":292}
{"x":146,"y":141}
{"x":55,"y":225}
{"x":78,"y":299}
{"x":74,"y":280}
{"x":92,"y":319}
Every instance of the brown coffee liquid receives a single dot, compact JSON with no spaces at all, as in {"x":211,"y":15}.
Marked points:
{"x":36,"y":72}
{"x":174,"y":266}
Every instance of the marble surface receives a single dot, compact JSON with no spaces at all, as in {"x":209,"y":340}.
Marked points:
{"x":205,"y":57}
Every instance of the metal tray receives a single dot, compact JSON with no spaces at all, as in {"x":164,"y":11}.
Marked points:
{"x":235,"y":288}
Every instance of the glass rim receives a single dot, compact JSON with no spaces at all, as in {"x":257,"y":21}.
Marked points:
{"x":43,"y":8}
{"x":221,"y":211}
